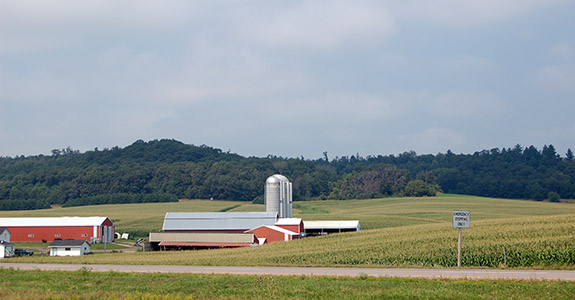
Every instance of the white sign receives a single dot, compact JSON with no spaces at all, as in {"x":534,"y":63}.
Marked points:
{"x":461,"y":219}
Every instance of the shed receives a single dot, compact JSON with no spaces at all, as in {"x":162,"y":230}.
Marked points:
{"x":5,"y":235}
{"x":325,"y":227}
{"x":93,"y":229}
{"x":216,"y":221}
{"x":273,"y":234}
{"x":69,"y":248}
{"x":6,"y":249}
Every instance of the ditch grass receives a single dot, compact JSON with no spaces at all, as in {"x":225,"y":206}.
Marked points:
{"x":85,"y":284}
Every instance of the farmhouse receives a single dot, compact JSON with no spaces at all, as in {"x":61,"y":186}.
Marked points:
{"x":69,"y":248}
{"x":92,"y":229}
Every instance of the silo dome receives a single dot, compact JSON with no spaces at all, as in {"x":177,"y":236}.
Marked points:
{"x":278,"y":196}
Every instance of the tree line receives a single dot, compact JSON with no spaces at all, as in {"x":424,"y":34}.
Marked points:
{"x":168,"y":170}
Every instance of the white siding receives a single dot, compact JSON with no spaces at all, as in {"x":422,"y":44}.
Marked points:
{"x":70,"y":250}
{"x":6,"y":250}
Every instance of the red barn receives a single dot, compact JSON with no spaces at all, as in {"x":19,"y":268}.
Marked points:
{"x":93,"y":229}
{"x":291,"y":224}
{"x":268,"y":234}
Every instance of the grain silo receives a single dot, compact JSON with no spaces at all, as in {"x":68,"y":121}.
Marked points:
{"x":278,"y":196}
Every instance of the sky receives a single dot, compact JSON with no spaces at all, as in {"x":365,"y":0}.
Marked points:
{"x":288,"y":78}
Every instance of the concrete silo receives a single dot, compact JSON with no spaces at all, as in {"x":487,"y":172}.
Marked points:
{"x":278,"y":196}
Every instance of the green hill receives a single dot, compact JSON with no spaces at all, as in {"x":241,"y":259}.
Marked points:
{"x":168,"y":170}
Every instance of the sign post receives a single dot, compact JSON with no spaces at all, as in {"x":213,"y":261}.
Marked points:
{"x":460,"y":221}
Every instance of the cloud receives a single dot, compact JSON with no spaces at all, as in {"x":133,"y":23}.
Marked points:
{"x":467,"y":64}
{"x":556,"y":135}
{"x":435,"y":140}
{"x":321,"y":25}
{"x":466,"y":104}
{"x":556,"y":78}
{"x":470,"y":12}
{"x":562,"y":51}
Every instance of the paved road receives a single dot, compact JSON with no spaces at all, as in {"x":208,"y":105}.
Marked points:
{"x":564,"y":275}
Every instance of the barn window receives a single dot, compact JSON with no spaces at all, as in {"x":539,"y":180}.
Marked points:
{"x":57,"y":235}
{"x":30,"y":235}
{"x":67,"y":249}
{"x":84,"y":235}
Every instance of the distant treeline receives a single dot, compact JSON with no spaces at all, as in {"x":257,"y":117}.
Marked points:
{"x":165,"y":170}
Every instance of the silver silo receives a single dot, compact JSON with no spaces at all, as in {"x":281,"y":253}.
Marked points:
{"x":278,"y":196}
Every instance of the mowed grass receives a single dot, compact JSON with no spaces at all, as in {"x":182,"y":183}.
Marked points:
{"x":113,"y":285}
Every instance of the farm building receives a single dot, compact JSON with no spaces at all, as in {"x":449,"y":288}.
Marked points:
{"x":92,"y":229}
{"x":291,"y":224}
{"x":268,"y":234}
{"x":326,"y":227}
{"x":278,"y":196}
{"x":6,"y":249}
{"x":193,"y":230}
{"x":199,"y":240}
{"x":69,"y":248}
{"x":216,"y":221}
{"x":5,"y":235}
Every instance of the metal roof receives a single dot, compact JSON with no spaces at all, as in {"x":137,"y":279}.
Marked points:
{"x":310,"y":225}
{"x":217,"y":220}
{"x":68,"y":243}
{"x":57,"y":221}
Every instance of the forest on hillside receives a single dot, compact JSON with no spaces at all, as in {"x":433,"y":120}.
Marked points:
{"x":168,"y":170}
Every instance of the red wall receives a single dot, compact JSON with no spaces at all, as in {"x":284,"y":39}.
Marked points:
{"x":293,"y":228}
{"x":269,"y":234}
{"x":107,"y":222}
{"x":20,"y":234}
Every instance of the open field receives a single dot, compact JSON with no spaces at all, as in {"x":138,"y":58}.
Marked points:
{"x":405,"y":232}
{"x":141,"y":217}
{"x":86,"y":284}
{"x":373,"y":213}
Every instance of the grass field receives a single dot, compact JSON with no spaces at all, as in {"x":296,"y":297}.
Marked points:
{"x":373,"y":213}
{"x":85,"y":284}
{"x":397,"y":232}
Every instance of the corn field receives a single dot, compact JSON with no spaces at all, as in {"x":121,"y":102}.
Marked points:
{"x":542,"y":241}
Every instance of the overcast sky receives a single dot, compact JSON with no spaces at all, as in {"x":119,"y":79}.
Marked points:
{"x":288,"y":78}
